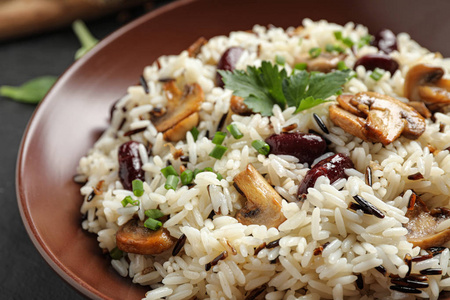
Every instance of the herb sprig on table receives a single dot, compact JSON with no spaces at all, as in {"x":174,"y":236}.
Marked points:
{"x":34,"y":90}
{"x":267,"y":85}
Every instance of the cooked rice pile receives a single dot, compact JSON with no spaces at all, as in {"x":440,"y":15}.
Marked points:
{"x":358,"y":243}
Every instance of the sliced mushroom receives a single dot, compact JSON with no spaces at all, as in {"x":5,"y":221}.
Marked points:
{"x":196,"y":47}
{"x":238,"y":106}
{"x":423,"y":223}
{"x":134,"y":237}
{"x":263,"y":206}
{"x":325,"y":62}
{"x":181,"y":111}
{"x":425,"y":83}
{"x":375,"y":117}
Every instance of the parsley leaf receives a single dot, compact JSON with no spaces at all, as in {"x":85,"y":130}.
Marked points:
{"x":31,"y":91}
{"x":267,"y":85}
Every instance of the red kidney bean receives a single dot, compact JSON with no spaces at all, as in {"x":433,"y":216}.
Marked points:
{"x":130,"y":164}
{"x":381,"y":61}
{"x":385,"y":40}
{"x":305,"y":146}
{"x":332,"y":167}
{"x":228,"y":62}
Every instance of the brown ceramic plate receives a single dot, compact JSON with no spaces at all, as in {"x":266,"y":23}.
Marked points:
{"x":68,"y":121}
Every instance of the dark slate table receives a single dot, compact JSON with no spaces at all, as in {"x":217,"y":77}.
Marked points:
{"x":23,"y":272}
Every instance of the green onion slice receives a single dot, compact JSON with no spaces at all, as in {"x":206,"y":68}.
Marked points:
{"x":154,"y":213}
{"x":235,"y":132}
{"x":314,"y":52}
{"x":128,"y":200}
{"x":138,"y":187}
{"x":301,"y":66}
{"x":338,"y":35}
{"x":219,"y":137}
{"x":261,"y":146}
{"x":170,"y":170}
{"x":186,"y":177}
{"x":280,"y":60}
{"x":171,"y":182}
{"x":195,"y":133}
{"x":116,"y":253}
{"x":377,"y":74}
{"x":218,"y":151}
{"x":152,"y":224}
{"x":341,"y":66}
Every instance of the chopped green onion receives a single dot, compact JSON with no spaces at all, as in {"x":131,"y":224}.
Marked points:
{"x":154,"y":213}
{"x":235,"y":132}
{"x":314,"y":52}
{"x":138,"y":187}
{"x":341,"y":66}
{"x":195,"y":133}
{"x":196,"y":171}
{"x":261,"y":146}
{"x":329,"y":48}
{"x":152,"y":224}
{"x":186,"y":177}
{"x":171,"y":182}
{"x":377,"y":74}
{"x":365,"y":40}
{"x":338,"y":35}
{"x":219,"y":176}
{"x":347,"y":41}
{"x":116,"y":253}
{"x":301,"y":66}
{"x":338,"y":49}
{"x":218,"y":151}
{"x":208,"y":169}
{"x":170,"y":170}
{"x":128,"y":200}
{"x":352,"y":75}
{"x":219,"y":137}
{"x":280,"y":60}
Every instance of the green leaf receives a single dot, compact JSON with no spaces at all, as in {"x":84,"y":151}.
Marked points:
{"x":272,"y":79}
{"x":325,"y":85}
{"x":308,"y":103}
{"x":294,"y":87}
{"x":32,"y":91}
{"x":256,"y":105}
{"x":87,"y":40}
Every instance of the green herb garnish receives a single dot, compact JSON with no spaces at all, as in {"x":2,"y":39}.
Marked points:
{"x":171,"y":182}
{"x":138,"y":187}
{"x":261,"y":146}
{"x":195,"y":133}
{"x":280,"y":60}
{"x":87,"y":40}
{"x":152,"y":224}
{"x":186,"y":177}
{"x":235,"y":132}
{"x":128,"y":200}
{"x":170,"y":170}
{"x":154,"y":213}
{"x":314,"y":52}
{"x":266,"y":86}
{"x":341,"y":66}
{"x":365,"y":40}
{"x":218,"y":151}
{"x":219,"y":137}
{"x":301,"y":66}
{"x":116,"y":253}
{"x":377,"y":74}
{"x":32,"y":91}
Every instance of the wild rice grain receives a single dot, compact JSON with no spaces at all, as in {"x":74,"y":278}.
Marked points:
{"x":216,"y":260}
{"x":368,"y":176}
{"x":144,"y":84}
{"x":405,"y":289}
{"x":179,"y":245}
{"x":431,"y":271}
{"x":321,"y":123}
{"x":369,"y":206}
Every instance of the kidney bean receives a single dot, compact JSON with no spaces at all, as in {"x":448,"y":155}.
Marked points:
{"x":228,"y":62}
{"x":381,"y":61}
{"x":385,"y":40}
{"x":305,"y":146}
{"x":130,"y":164}
{"x":332,"y":167}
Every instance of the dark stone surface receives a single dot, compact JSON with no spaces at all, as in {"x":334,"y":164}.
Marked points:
{"x":24,"y":274}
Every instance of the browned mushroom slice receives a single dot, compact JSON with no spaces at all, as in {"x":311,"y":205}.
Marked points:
{"x":238,"y":106}
{"x":421,"y":108}
{"x":180,"y":106}
{"x":263,"y":206}
{"x":325,"y":62}
{"x":423,"y":223}
{"x":425,"y":83}
{"x":196,"y":47}
{"x":133,"y":237}
{"x":375,"y":117}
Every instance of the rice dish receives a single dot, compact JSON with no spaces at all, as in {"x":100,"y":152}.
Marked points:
{"x":326,"y":244}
